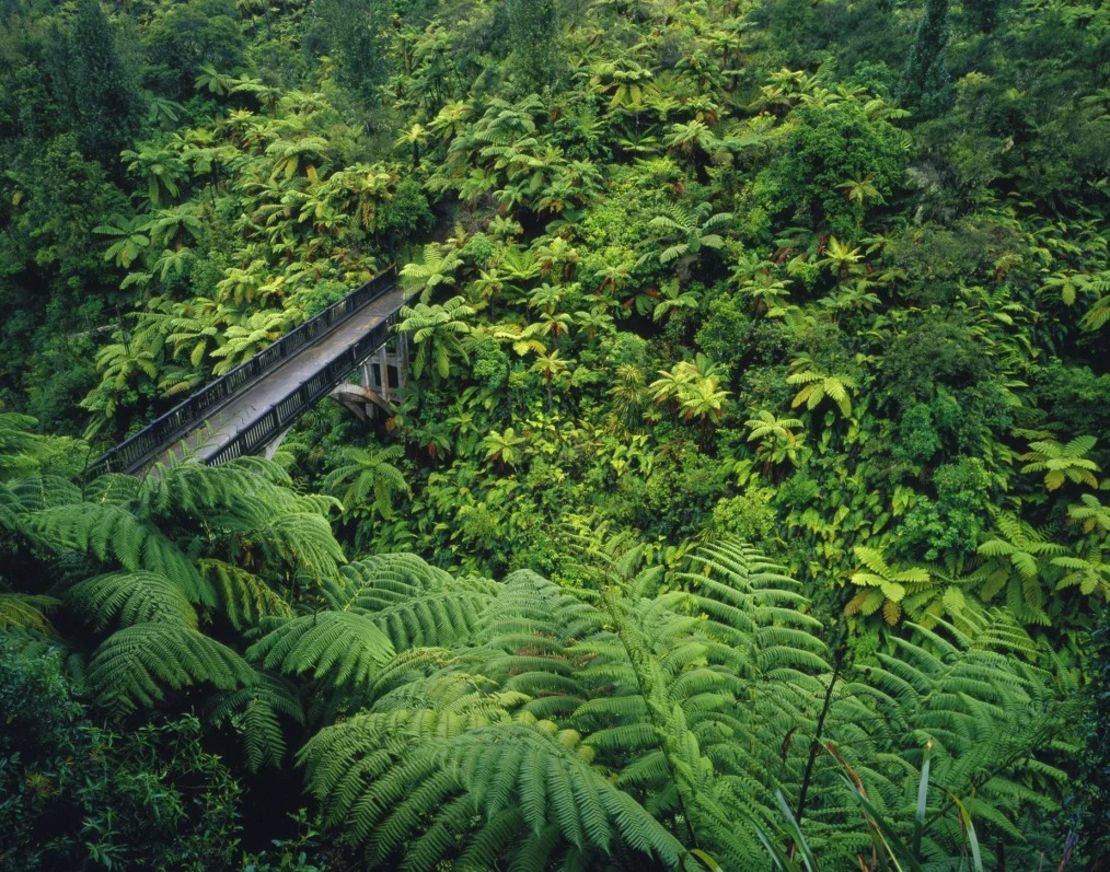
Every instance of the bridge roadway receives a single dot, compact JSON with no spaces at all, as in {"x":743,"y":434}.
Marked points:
{"x":252,"y":403}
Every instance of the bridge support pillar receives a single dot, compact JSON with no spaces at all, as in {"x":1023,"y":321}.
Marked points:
{"x":271,"y":447}
{"x":381,"y":376}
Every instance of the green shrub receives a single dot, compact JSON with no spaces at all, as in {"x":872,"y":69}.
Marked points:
{"x":74,"y":795}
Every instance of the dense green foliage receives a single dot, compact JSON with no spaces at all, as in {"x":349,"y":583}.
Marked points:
{"x":757,"y":352}
{"x":456,"y":718}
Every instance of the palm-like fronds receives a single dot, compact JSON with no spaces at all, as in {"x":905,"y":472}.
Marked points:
{"x":523,"y":725}
{"x":255,"y":711}
{"x":131,"y":598}
{"x":28,"y":611}
{"x":436,"y":269}
{"x":363,"y":473}
{"x":816,"y":387}
{"x":244,"y":597}
{"x":698,"y":700}
{"x":532,"y":794}
{"x":111,"y":533}
{"x":134,"y":666}
{"x":1062,"y":463}
{"x":348,"y":648}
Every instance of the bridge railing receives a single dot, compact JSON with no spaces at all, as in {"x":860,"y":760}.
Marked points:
{"x":138,"y":450}
{"x":280,"y":416}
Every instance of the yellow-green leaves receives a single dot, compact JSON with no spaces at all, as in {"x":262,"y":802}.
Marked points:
{"x":437,"y":332}
{"x":436,"y":269}
{"x":504,"y":446}
{"x":776,"y":438}
{"x":884,"y":585}
{"x":695,"y":387}
{"x":816,"y":387}
{"x":1062,"y":463}
{"x":130,"y":240}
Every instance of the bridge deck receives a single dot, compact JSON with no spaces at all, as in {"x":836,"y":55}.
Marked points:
{"x":244,"y":409}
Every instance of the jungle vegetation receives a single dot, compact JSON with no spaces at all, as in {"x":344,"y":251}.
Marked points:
{"x":746,"y":504}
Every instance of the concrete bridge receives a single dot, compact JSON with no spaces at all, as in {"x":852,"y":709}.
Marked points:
{"x":249,"y":409}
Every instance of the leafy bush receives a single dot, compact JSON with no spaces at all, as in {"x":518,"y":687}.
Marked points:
{"x":827,"y":147}
{"x":954,"y":522}
{"x":73,"y":794}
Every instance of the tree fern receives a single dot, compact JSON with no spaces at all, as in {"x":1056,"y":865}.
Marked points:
{"x":413,"y":603}
{"x":131,"y":598}
{"x":304,"y":540}
{"x":31,"y":493}
{"x":1021,"y":555}
{"x":136,"y":665}
{"x":665,"y":683}
{"x":251,"y":499}
{"x":383,"y":580}
{"x":232,"y":490}
{"x":191,"y":488}
{"x":255,"y":711}
{"x":1062,"y":463}
{"x":28,"y":611}
{"x":362,"y":473}
{"x":17,"y":439}
{"x":533,"y":773}
{"x":340,"y":758}
{"x":115,"y":488}
{"x":110,"y":533}
{"x":347,"y":648}
{"x":529,"y":630}
{"x":522,"y":725}
{"x":982,"y":714}
{"x":244,"y":597}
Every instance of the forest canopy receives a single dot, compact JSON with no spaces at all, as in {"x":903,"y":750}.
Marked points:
{"x":741,"y":505}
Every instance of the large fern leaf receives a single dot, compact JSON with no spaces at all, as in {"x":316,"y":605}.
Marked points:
{"x":136,"y":665}
{"x":479,"y":788}
{"x":255,"y":710}
{"x":110,"y":533}
{"x":28,"y":611}
{"x":134,"y":598}
{"x":244,"y":597}
{"x":346,"y":647}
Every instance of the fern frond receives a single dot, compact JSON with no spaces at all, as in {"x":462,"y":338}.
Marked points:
{"x":254,"y":711}
{"x":27,"y":611}
{"x":112,"y":488}
{"x":32,"y":493}
{"x":244,"y":597}
{"x":134,"y":666}
{"x":110,"y":533}
{"x":134,"y":598}
{"x":500,"y":769}
{"x":305,"y":541}
{"x":349,"y":648}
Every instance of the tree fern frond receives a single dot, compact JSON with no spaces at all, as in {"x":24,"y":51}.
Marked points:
{"x":443,"y":618}
{"x":32,"y":493}
{"x":111,"y":533}
{"x":28,"y":611}
{"x":135,"y":597}
{"x":349,"y":648}
{"x":244,"y":597}
{"x":134,"y":666}
{"x":500,"y":768}
{"x":254,"y":711}
{"x":306,"y":541}
{"x":376,"y":584}
{"x":112,"y":488}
